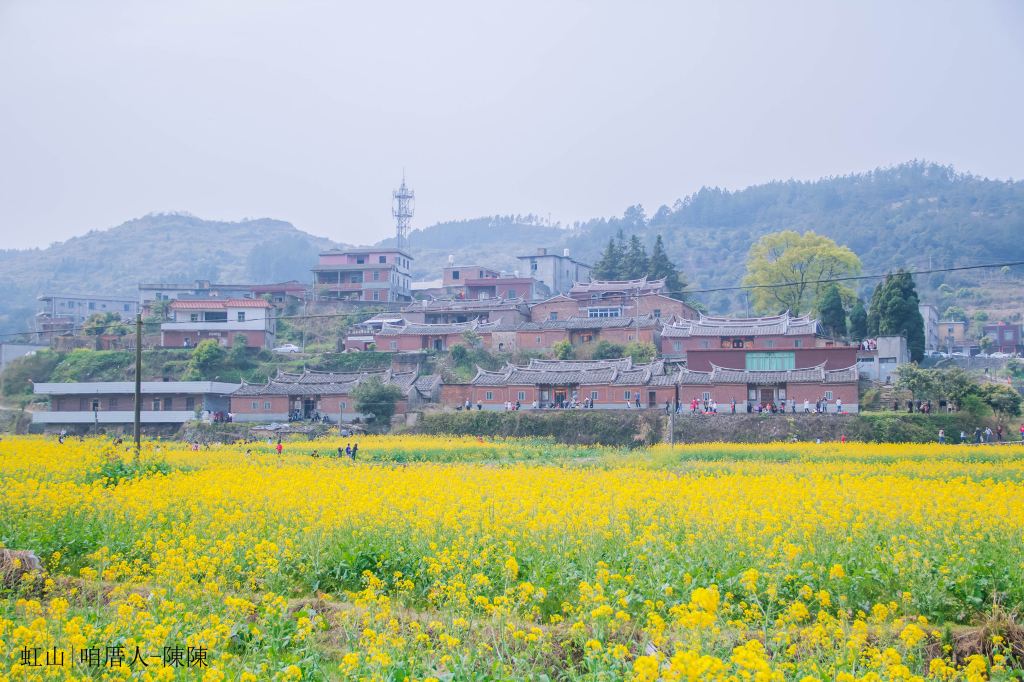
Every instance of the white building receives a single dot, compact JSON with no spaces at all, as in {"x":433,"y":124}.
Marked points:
{"x":880,"y":361}
{"x":558,"y":272}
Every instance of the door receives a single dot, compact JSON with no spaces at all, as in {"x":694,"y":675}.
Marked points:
{"x":560,"y":396}
{"x":308,"y":406}
{"x":767,"y":396}
{"x":652,"y":399}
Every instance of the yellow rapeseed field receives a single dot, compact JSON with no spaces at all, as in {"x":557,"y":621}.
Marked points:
{"x":432,"y":558}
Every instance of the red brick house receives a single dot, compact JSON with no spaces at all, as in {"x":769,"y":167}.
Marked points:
{"x":778,"y":342}
{"x":366,"y":275}
{"x":416,"y":336}
{"x":193,"y":321}
{"x":504,"y":310}
{"x":324,"y":394}
{"x":1006,"y":338}
{"x":542,"y":335}
{"x":621,"y":384}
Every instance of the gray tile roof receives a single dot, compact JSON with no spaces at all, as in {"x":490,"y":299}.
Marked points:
{"x":608,"y":285}
{"x":776,"y":325}
{"x":438,"y":329}
{"x":465,"y":304}
{"x":325,"y":383}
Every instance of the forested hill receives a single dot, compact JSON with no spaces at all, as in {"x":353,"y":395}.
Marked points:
{"x":159,"y":247}
{"x":912,"y":215}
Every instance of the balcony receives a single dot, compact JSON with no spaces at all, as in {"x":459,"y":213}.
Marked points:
{"x":257,"y":325}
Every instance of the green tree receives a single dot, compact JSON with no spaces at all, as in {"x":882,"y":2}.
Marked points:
{"x":375,"y":397}
{"x":563,"y":350}
{"x":472,"y":339}
{"x":858,"y":321}
{"x":458,"y":353}
{"x":956,"y":385}
{"x":831,"y":312}
{"x":640,"y":352}
{"x":921,"y":383}
{"x":660,"y":266}
{"x":104,"y":323}
{"x":1004,"y":400}
{"x":610,"y":265}
{"x":895,"y":312}
{"x":606,"y":350}
{"x":787,"y":268}
{"x":635,"y":262}
{"x":955,"y":312}
{"x":238,"y":356}
{"x":206,"y":359}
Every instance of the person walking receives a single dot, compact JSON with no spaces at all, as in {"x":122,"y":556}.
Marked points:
{"x":355,"y":450}
{"x":942,"y":436}
{"x":977,"y":435}
{"x":733,"y":405}
{"x":279,"y":446}
{"x":839,"y":405}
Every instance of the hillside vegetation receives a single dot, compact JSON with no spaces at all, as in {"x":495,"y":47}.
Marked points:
{"x":915,"y":215}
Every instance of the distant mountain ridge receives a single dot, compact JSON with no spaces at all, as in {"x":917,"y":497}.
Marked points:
{"x":912,"y":215}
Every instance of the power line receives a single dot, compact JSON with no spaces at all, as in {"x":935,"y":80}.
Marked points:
{"x":744,"y":287}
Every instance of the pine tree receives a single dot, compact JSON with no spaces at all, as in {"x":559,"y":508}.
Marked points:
{"x":858,"y":321}
{"x":635,"y":262}
{"x":831,"y":312}
{"x":607,"y":267}
{"x":895,"y":307}
{"x":660,"y":266}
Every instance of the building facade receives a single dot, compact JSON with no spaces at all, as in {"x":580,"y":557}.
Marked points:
{"x":320,"y":395}
{"x":223,"y":320}
{"x":1005,"y":338}
{"x":621,"y":384}
{"x":930,"y":315}
{"x":84,"y":405}
{"x":557,"y":272}
{"x":61,"y":313}
{"x":878,"y":359}
{"x":364,"y":275}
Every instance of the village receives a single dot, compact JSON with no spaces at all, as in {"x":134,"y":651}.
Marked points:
{"x":569,"y":342}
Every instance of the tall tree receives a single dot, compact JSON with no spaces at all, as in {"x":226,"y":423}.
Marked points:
{"x":635,"y":262}
{"x":894,"y":307}
{"x":788,"y":268}
{"x":660,"y":266}
{"x":610,"y":265}
{"x":858,"y":321}
{"x":831,"y":312}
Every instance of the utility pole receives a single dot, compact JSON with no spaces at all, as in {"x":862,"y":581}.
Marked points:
{"x":138,"y":386}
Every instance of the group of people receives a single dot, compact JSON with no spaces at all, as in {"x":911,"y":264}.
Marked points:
{"x":924,"y":407}
{"x":981,"y":436}
{"x":315,"y":417}
{"x":711,"y":406}
{"x":868,"y":344}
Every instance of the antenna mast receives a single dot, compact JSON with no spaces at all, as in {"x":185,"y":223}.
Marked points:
{"x":403,"y":205}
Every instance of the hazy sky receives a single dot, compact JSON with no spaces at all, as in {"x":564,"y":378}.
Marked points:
{"x":308,"y":111}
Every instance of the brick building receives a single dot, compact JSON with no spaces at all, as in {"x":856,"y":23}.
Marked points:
{"x":578,"y":331}
{"x":84,"y":405}
{"x":193,"y":321}
{"x":364,"y":275}
{"x":415,"y":336}
{"x":621,"y":384}
{"x":624,"y":298}
{"x":1006,"y":338}
{"x":325,"y":394}
{"x":508,"y":311}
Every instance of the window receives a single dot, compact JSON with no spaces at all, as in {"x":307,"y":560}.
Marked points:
{"x":92,"y":305}
{"x":455,"y":274}
{"x":769,"y":343}
{"x":156,"y":404}
{"x":376,"y":295}
{"x":553,"y":315}
{"x":355,"y":278}
{"x":706,"y":395}
{"x":521,"y":396}
{"x":604,"y":312}
{"x":828,"y":395}
{"x":215,"y":316}
{"x":341,"y":405}
{"x":677,"y":346}
{"x":630,"y":337}
{"x":360,"y":260}
{"x":241,"y":316}
{"x":657,"y":313}
{"x":533,"y":265}
{"x":393,"y":345}
{"x":751,"y":394}
{"x":737,"y":343}
{"x":193,"y":317}
{"x":627,"y":394}
{"x":376,"y":275}
{"x":593,"y":395}
{"x":190,"y":403}
{"x":126,"y":307}
{"x":538,"y":340}
{"x":587,"y":338}
{"x":481,"y":275}
{"x":489,"y":395}
{"x":382,"y":259}
{"x":798,"y":343}
{"x":167,"y":403}
{"x":704,"y":343}
{"x":266,"y":404}
{"x":770,"y":361}
{"x":95,"y":405}
{"x":255,"y":405}
{"x":112,"y":403}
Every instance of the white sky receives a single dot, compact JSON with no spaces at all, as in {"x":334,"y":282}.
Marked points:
{"x":308,"y":111}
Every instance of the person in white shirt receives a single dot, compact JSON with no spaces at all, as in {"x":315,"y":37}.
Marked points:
{"x":839,"y":406}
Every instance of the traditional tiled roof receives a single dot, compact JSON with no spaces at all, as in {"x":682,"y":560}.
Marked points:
{"x":464,"y":304}
{"x":580,"y":322}
{"x":620,"y":371}
{"x":776,"y":325}
{"x":806,"y":375}
{"x":218,"y":303}
{"x":327,"y":383}
{"x":439,"y":329}
{"x":597,"y":286}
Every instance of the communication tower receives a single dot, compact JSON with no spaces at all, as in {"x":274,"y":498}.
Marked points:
{"x":403,"y":205}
